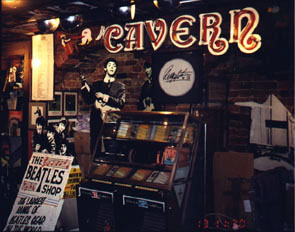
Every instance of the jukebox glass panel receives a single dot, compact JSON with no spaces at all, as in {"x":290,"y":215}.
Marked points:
{"x":146,"y":148}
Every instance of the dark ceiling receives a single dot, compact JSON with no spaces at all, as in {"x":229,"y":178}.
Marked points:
{"x":19,"y":18}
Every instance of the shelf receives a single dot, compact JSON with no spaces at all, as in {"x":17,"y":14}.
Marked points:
{"x":131,"y":175}
{"x":162,"y":167}
{"x":137,"y":140}
{"x":134,"y":147}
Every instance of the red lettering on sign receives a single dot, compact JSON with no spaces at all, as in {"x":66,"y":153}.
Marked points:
{"x":180,"y":36}
{"x":177,"y":31}
{"x":160,"y":26}
{"x":247,"y":41}
{"x":134,"y":37}
{"x":28,"y":186}
{"x":113,"y":32}
{"x":209,"y":33}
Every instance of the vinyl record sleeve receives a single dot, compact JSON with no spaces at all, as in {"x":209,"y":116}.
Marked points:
{"x":141,"y":174}
{"x":122,"y":172}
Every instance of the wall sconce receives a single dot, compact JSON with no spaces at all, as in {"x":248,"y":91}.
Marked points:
{"x":12,"y":4}
{"x":48,"y":25}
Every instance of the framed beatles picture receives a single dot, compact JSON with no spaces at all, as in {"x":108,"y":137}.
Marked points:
{"x":36,"y":109}
{"x":52,"y":122}
{"x":177,"y":77}
{"x":70,"y":103}
{"x":55,"y":106}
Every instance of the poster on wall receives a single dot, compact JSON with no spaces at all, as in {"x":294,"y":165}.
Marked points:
{"x":177,"y":77}
{"x":40,"y":197}
{"x":42,"y":67}
{"x":74,"y":179}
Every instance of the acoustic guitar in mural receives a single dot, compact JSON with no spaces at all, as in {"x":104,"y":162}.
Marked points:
{"x":148,"y":104}
{"x":99,"y":103}
{"x":103,"y":107}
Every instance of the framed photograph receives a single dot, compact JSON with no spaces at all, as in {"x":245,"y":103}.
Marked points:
{"x":55,"y":106}
{"x":36,"y":109}
{"x":12,"y":102}
{"x":72,"y":125}
{"x":70,"y":103}
{"x":53,"y":122}
{"x":169,"y":155}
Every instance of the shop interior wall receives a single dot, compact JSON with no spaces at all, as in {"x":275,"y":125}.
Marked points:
{"x":227,"y":79}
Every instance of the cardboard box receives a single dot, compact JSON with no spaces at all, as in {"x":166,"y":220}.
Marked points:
{"x":232,"y":173}
{"x":82,"y":150}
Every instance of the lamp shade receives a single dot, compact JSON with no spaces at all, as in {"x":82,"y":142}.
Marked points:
{"x":48,"y":25}
{"x":167,"y":4}
{"x":71,"y":22}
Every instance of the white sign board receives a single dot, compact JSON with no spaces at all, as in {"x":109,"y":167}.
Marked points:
{"x":42,"y":67}
{"x":39,"y":200}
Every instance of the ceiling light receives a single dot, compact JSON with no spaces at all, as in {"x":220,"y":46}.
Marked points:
{"x":188,"y":1}
{"x":12,"y":3}
{"x":156,"y":3}
{"x":124,"y":9}
{"x":71,"y":18}
{"x":48,"y":25}
{"x":71,"y":22}
{"x":132,"y":9}
{"x":166,"y":4}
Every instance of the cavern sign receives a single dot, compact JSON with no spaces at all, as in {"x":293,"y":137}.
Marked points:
{"x":179,"y":33}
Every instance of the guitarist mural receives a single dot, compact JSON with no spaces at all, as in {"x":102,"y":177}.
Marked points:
{"x":108,"y":94}
{"x":145,"y":101}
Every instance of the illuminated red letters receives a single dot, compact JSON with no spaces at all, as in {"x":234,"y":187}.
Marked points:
{"x":160,"y":26}
{"x":114,"y":32}
{"x":134,"y":37}
{"x":180,"y":36}
{"x":176,"y":31}
{"x":209,"y":33}
{"x":247,"y":42}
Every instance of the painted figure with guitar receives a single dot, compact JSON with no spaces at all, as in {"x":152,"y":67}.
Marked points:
{"x":104,"y":95}
{"x":145,"y":101}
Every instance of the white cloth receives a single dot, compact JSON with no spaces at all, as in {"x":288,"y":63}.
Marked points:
{"x":271,"y":109}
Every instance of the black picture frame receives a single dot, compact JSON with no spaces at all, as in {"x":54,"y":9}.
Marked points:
{"x":177,"y":77}
{"x":55,"y":107}
{"x":33,"y":115}
{"x":70,"y":103}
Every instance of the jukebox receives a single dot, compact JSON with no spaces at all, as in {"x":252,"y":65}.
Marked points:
{"x":146,"y":174}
